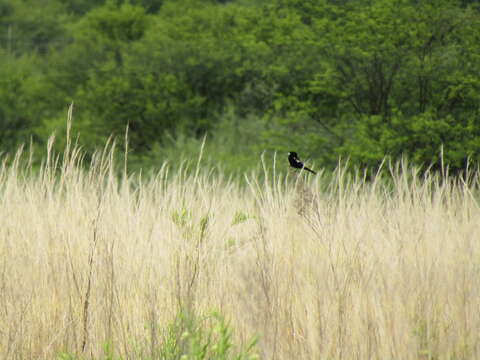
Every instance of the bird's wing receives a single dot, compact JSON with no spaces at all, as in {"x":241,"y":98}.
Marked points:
{"x":297,"y":161}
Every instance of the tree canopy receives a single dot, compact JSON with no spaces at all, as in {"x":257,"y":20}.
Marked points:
{"x":359,"y":79}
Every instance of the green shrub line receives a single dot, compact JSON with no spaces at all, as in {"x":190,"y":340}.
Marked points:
{"x":362,"y":80}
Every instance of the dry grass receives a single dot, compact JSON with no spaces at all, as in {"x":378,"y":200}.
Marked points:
{"x":358,"y":270}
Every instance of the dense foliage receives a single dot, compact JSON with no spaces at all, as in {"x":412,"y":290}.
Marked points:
{"x":361,"y":79}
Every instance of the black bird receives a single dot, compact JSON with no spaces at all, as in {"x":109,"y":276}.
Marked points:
{"x":296,"y":163}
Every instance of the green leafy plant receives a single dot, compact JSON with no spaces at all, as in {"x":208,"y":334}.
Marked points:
{"x":189,"y":337}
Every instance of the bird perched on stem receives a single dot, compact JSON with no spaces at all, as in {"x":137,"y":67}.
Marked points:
{"x":296,"y":163}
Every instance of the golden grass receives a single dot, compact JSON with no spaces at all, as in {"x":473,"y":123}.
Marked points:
{"x":319,"y":268}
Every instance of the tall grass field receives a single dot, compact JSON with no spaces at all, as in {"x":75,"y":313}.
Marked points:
{"x":188,"y":264}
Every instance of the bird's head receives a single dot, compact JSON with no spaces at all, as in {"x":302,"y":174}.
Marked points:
{"x":293,"y":154}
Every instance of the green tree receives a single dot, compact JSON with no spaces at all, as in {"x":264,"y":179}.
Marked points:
{"x":393,"y":78}
{"x":31,"y":26}
{"x":91,"y":72}
{"x":18,"y":84}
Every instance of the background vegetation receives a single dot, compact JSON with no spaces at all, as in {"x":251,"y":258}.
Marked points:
{"x":361,"y":79}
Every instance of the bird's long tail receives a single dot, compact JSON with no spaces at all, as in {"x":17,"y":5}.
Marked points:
{"x":313,"y":172}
